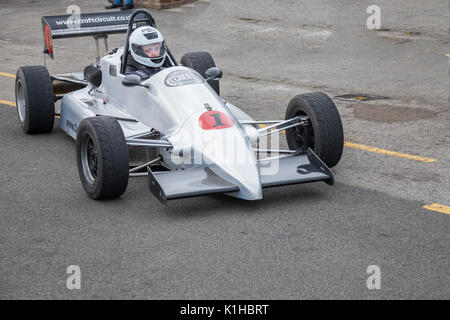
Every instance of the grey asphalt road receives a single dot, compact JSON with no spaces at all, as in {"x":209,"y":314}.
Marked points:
{"x":300,"y":242}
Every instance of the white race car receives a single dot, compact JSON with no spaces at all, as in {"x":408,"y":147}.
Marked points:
{"x":173,"y":127}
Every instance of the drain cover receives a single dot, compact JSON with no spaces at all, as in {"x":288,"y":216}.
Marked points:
{"x":359,"y":97}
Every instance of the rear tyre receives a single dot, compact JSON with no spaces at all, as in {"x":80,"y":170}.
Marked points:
{"x":35,"y":100}
{"x":102,"y":157}
{"x":200,"y":62}
{"x":324,"y":135}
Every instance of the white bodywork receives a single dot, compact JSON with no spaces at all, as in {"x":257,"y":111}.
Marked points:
{"x":173,"y":111}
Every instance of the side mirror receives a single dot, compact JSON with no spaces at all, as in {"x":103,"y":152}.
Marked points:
{"x":213,"y":73}
{"x":132,"y":80}
{"x":93,"y":75}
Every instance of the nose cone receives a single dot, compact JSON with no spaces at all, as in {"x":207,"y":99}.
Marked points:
{"x":217,"y":142}
{"x":232,"y":159}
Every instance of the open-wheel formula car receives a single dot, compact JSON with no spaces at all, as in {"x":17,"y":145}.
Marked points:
{"x":174,"y":127}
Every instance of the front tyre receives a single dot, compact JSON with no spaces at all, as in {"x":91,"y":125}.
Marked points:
{"x":102,"y":157}
{"x":324,"y":134}
{"x":35,"y":100}
{"x":200,"y":62}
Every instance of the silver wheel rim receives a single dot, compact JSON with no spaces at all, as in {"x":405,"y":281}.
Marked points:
{"x":89,"y":158}
{"x":20,"y":101}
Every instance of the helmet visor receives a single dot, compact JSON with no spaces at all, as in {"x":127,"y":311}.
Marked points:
{"x":154,"y":50}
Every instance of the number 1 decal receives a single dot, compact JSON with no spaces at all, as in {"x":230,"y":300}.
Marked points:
{"x":217,"y":118}
{"x":212,"y":120}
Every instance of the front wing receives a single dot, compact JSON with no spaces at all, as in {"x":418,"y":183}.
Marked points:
{"x":170,"y":185}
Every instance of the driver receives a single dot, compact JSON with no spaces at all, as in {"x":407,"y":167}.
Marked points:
{"x":148,"y":52}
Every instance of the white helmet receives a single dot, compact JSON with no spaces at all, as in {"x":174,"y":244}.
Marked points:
{"x":147,"y":47}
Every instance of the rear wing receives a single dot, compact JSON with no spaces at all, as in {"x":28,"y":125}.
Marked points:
{"x":86,"y":24}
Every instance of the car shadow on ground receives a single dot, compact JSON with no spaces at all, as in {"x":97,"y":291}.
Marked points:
{"x":222,"y":204}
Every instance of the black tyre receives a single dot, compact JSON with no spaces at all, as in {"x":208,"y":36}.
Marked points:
{"x":324,"y":135}
{"x":200,"y":62}
{"x":35,"y":100}
{"x":102,"y":157}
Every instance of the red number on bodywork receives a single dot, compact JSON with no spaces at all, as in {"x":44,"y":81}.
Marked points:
{"x":212,"y":120}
